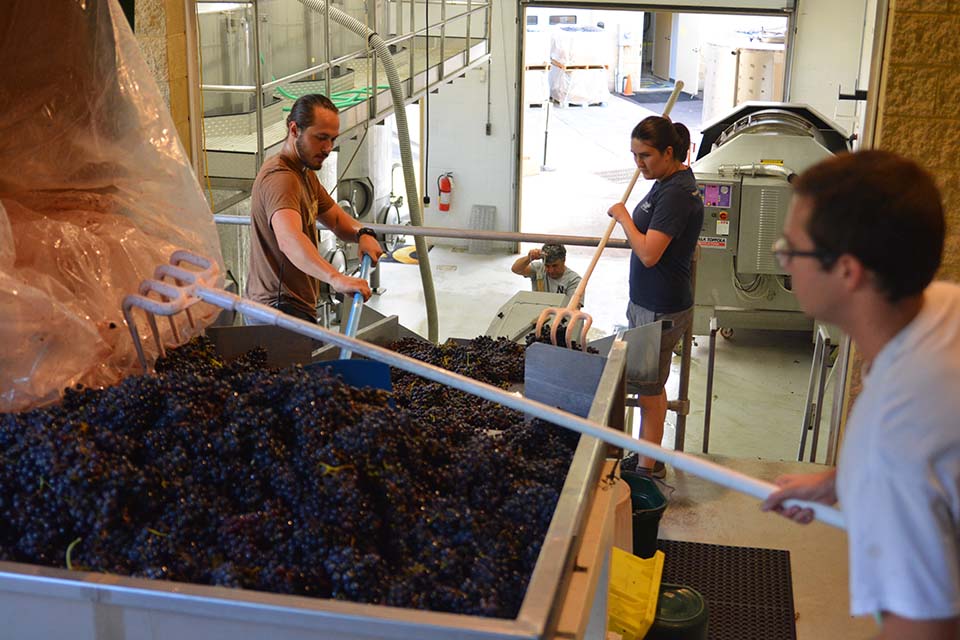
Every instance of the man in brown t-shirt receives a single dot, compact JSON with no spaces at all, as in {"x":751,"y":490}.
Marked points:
{"x":286,"y":202}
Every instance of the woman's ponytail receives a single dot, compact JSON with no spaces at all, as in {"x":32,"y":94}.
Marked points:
{"x":659,"y":132}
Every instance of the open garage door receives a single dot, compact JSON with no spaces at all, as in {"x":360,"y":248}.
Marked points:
{"x":751,"y":6}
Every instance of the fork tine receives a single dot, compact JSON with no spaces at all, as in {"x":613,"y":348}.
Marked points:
{"x":173,"y":329}
{"x":570,"y":331}
{"x":584,"y":329}
{"x":544,"y":318}
{"x":152,"y":319}
{"x":563,"y":317}
{"x":128,"y":307}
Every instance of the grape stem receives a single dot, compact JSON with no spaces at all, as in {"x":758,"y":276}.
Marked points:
{"x":329,"y":469}
{"x":70,"y":547}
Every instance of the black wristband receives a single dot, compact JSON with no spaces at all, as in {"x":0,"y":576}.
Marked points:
{"x":365,"y":231}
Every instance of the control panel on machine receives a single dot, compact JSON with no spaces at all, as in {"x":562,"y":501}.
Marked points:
{"x":719,"y":204}
{"x":715,"y":195}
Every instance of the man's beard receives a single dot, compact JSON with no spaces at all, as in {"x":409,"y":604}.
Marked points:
{"x":304,"y":158}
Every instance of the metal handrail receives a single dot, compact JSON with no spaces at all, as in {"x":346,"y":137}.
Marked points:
{"x":317,"y":68}
{"x":462,"y":234}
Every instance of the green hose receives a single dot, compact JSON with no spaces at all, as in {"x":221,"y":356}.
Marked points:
{"x":337,"y":97}
{"x":286,"y":94}
{"x":342,"y":99}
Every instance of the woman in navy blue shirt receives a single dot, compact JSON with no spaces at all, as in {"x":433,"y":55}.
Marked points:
{"x":663,"y":232}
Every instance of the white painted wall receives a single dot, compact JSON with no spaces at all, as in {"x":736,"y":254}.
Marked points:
{"x":674,"y":41}
{"x":827,"y":57}
{"x":484,"y":167}
{"x":866,"y":60}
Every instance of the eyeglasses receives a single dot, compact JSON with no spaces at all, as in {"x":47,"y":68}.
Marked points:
{"x":784,"y":254}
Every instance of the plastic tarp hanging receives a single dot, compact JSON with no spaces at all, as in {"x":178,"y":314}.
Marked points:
{"x":578,"y":86}
{"x":582,"y":46}
{"x":95,"y":191}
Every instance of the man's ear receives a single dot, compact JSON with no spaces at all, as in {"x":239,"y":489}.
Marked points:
{"x":292,"y":128}
{"x":855,"y":275}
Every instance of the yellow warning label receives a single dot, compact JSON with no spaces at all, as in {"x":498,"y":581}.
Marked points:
{"x":779,"y":162}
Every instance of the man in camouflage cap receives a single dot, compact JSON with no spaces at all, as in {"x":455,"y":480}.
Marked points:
{"x":547,"y":270}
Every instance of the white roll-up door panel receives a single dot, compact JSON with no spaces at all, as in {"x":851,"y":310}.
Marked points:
{"x":763,"y":6}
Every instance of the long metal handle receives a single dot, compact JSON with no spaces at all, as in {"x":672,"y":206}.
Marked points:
{"x":673,"y":98}
{"x":462,"y":234}
{"x":194,"y":286}
{"x":681,"y":461}
{"x":578,"y":294}
{"x":356,"y":307}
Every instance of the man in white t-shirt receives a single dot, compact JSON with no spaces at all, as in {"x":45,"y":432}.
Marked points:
{"x":547,"y":270}
{"x":862,"y":242}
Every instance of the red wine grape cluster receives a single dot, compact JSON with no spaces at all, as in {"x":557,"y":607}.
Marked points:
{"x":289,"y":481}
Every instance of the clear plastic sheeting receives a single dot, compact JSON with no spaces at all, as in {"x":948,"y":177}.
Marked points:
{"x":95,"y":192}
{"x":582,"y":46}
{"x":579,"y":86}
{"x":536,"y":49}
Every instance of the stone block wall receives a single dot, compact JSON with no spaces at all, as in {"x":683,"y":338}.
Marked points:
{"x":161,"y":30}
{"x":919,"y":114}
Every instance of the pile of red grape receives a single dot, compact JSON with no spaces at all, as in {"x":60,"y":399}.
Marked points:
{"x":289,"y":481}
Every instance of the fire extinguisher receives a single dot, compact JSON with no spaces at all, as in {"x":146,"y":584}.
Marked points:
{"x":445,"y":187}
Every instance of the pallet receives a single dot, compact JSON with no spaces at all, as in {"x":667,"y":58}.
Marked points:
{"x":570,"y":67}
{"x":577,"y":105}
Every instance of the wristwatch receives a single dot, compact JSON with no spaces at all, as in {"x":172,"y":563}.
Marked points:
{"x":365,"y":231}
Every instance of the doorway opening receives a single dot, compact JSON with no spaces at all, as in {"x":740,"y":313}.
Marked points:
{"x":590,"y":75}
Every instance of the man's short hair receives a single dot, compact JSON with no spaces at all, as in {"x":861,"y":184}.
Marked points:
{"x":302,"y":110}
{"x":881,"y":208}
{"x":553,"y":253}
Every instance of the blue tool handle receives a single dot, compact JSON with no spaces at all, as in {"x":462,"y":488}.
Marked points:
{"x":356,"y":305}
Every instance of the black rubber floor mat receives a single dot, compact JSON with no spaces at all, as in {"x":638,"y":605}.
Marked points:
{"x":658,"y":97}
{"x":749,"y":591}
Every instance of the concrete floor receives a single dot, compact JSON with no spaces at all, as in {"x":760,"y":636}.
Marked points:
{"x":699,"y":511}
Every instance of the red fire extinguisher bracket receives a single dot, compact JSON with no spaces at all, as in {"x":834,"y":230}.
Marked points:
{"x":445,"y":187}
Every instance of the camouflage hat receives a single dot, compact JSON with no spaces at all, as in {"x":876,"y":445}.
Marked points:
{"x":552,"y":253}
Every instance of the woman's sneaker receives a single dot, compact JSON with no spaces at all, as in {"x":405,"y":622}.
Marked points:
{"x":630,"y":463}
{"x":659,"y":470}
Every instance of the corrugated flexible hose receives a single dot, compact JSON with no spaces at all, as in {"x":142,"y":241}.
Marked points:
{"x":406,"y":157}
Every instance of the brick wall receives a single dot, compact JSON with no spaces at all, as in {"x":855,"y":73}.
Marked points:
{"x":919,"y":111}
{"x":161,"y":31}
